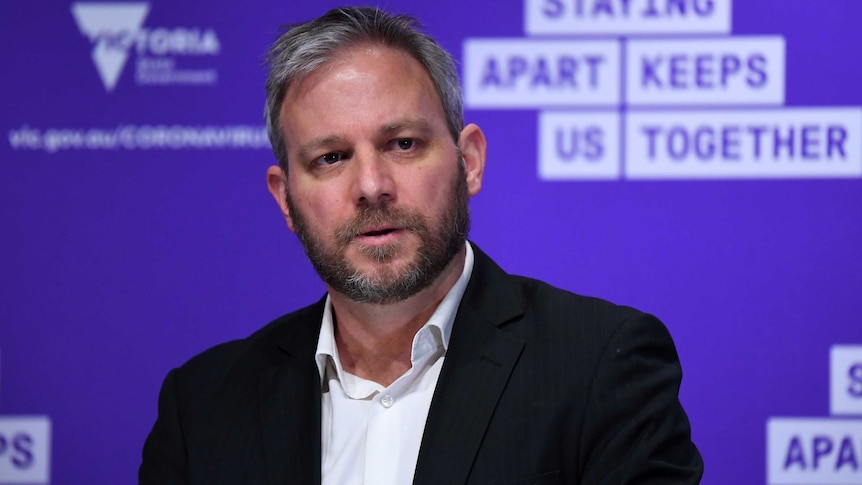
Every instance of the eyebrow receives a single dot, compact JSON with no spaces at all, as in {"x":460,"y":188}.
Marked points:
{"x":306,"y":149}
{"x":419,"y":124}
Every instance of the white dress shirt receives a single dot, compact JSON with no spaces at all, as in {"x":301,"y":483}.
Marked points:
{"x":370,"y":433}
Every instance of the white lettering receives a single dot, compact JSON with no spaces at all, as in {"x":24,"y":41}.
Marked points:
{"x":624,"y":17}
{"x":735,"y":71}
{"x":777,"y":143}
{"x":524,"y":73}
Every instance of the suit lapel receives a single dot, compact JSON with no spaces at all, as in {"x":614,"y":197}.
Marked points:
{"x":479,"y":361}
{"x":290,"y":405}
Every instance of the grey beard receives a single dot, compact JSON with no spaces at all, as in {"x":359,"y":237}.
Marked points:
{"x":437,"y":248}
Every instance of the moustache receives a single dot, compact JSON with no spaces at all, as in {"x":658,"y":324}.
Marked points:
{"x":374,"y":218}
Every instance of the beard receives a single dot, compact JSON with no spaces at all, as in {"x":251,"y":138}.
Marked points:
{"x":440,"y":241}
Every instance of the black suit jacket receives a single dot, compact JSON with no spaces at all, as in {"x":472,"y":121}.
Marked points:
{"x":538,"y":386}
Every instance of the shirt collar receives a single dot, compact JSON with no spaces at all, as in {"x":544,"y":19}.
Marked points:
{"x":433,"y":335}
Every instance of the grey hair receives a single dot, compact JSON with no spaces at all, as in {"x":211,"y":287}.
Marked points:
{"x":305,"y":47}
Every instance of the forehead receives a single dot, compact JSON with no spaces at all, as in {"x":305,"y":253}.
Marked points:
{"x":366,"y":82}
{"x":380,"y":54}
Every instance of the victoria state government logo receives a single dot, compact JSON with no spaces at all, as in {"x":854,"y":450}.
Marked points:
{"x":117,"y":32}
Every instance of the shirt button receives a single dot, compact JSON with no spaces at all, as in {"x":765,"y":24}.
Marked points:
{"x":386,"y":401}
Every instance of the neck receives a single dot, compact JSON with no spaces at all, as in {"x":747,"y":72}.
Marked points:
{"x":375,"y":341}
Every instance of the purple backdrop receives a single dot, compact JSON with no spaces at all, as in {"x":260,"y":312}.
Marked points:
{"x":120,"y":263}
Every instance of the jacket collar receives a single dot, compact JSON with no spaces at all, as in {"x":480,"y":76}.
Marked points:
{"x":478,"y":364}
{"x":479,"y":360}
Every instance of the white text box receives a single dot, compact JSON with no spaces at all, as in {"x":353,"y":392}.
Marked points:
{"x":845,"y":382}
{"x":525,"y":73}
{"x":728,"y":144}
{"x":734,"y":70}
{"x":25,"y":449}
{"x":622,"y":17}
{"x":579,"y":146}
{"x":814,"y":451}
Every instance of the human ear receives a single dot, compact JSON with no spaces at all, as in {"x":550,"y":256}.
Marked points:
{"x":473,"y":149}
{"x":276,"y":181}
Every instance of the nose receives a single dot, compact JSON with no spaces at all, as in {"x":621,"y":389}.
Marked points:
{"x":372,"y":183}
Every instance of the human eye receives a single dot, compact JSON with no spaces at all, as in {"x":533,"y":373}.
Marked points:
{"x":406,"y":145}
{"x":329,"y":158}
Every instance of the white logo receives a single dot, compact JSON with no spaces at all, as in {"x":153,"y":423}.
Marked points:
{"x":116,"y":30}
{"x":112,"y":28}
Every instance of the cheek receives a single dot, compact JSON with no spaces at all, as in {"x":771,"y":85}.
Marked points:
{"x":435,"y":185}
{"x":321,"y":210}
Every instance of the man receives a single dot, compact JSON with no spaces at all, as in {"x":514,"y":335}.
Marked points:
{"x":425,"y":362}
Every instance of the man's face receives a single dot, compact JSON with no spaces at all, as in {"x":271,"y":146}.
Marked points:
{"x":376,"y":191}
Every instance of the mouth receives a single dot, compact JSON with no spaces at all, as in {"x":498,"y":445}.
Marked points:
{"x":379,"y":232}
{"x":380,"y":236}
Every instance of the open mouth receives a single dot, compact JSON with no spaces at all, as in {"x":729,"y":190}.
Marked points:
{"x":380,"y":232}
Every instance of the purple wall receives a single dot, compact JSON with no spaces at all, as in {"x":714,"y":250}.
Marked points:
{"x":120,"y":263}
